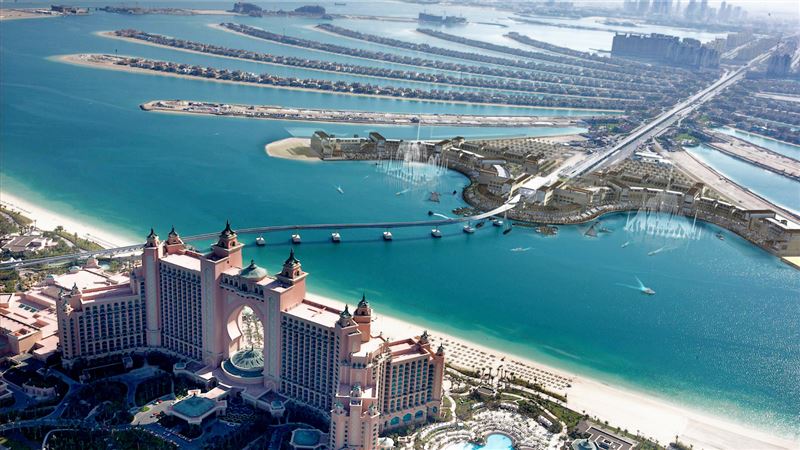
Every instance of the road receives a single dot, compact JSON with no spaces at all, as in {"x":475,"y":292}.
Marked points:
{"x":624,"y":148}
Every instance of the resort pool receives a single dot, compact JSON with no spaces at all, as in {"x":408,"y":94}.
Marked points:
{"x":493,"y":442}
{"x":306,"y":438}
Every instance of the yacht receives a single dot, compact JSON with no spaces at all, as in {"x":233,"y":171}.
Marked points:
{"x":260,"y":241}
{"x":468,"y":229}
{"x":336,"y":237}
{"x":648,"y":291}
{"x":497,"y":222}
{"x":720,"y":236}
{"x":387,"y":235}
{"x":296,"y":238}
{"x":436,"y":233}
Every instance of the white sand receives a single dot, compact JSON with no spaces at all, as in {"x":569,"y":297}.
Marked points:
{"x":292,"y":148}
{"x":652,"y":417}
{"x":48,"y":220}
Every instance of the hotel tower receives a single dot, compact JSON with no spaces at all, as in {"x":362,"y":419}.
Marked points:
{"x":332,"y":360}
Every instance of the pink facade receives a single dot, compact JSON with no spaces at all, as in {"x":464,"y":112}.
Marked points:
{"x":313,"y":353}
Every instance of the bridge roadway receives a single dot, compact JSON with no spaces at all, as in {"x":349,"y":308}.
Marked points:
{"x":509,"y":204}
{"x":645,"y":132}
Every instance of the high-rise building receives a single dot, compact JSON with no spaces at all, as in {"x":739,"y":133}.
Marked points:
{"x":326,"y":358}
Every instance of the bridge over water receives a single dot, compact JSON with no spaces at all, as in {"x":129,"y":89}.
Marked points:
{"x":509,"y":204}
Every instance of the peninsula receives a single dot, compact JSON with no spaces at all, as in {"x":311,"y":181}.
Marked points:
{"x":348,"y":116}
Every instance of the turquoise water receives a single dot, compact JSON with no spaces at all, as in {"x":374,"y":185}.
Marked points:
{"x":775,"y":188}
{"x":493,"y":442}
{"x":784,"y":148}
{"x":721,"y":334}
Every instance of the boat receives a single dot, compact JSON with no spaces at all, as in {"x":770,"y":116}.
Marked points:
{"x":436,"y":233}
{"x":430,"y":213}
{"x":648,"y":291}
{"x":339,"y":188}
{"x":434,"y":197}
{"x":627,"y":243}
{"x":296,"y":238}
{"x":336,"y":237}
{"x":260,"y":241}
{"x":720,"y":236}
{"x":387,"y":235}
{"x":468,"y":229}
{"x":480,"y":224}
{"x":340,"y":4}
{"x":497,"y":222}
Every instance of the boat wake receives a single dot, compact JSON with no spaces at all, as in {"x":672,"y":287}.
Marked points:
{"x":520,"y":249}
{"x":641,"y":287}
{"x":403,"y":192}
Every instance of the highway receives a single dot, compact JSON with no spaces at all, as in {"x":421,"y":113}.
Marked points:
{"x":509,"y":204}
{"x":624,"y":148}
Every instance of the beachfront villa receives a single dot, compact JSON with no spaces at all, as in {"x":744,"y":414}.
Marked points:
{"x":326,"y":358}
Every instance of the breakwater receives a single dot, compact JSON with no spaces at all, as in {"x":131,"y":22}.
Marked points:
{"x":346,"y":116}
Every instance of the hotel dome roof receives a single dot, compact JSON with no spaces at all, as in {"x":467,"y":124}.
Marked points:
{"x":253,"y":272}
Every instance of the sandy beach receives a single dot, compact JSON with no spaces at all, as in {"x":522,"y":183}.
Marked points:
{"x":48,"y":220}
{"x":298,"y":149}
{"x":622,"y":407}
{"x":651,"y":416}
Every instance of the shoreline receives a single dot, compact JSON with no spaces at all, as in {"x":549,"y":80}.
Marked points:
{"x":110,"y":35}
{"x":761,"y":136}
{"x":78,"y":59}
{"x":563,"y":108}
{"x":621,"y":405}
{"x":513,"y":123}
{"x":282,"y":149}
{"x":46,"y":219}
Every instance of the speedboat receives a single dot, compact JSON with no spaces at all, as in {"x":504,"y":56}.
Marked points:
{"x":260,"y":241}
{"x":720,"y":236}
{"x":430,"y":213}
{"x":648,"y":291}
{"x":468,"y":229}
{"x":336,"y":237}
{"x":497,"y":222}
{"x":387,"y":235}
{"x":339,"y":188}
{"x":296,"y":238}
{"x":627,"y":243}
{"x":436,"y":233}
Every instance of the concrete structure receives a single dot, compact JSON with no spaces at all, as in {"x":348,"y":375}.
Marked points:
{"x":331,"y":360}
{"x":667,"y":49}
{"x":197,"y":407}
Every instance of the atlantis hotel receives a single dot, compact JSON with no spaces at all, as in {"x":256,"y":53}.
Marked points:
{"x":189,"y":304}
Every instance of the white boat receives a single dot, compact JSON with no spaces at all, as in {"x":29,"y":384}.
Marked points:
{"x":648,"y":291}
{"x":336,"y":237}
{"x":296,"y":239}
{"x":387,"y":235}
{"x":260,"y":241}
{"x":497,"y":222}
{"x":627,"y":243}
{"x":436,"y":233}
{"x":339,"y":188}
{"x":468,"y":229}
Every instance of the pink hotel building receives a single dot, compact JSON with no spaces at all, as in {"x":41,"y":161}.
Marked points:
{"x":329,"y":359}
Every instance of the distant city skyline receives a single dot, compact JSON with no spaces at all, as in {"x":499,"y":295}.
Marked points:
{"x":755,"y":7}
